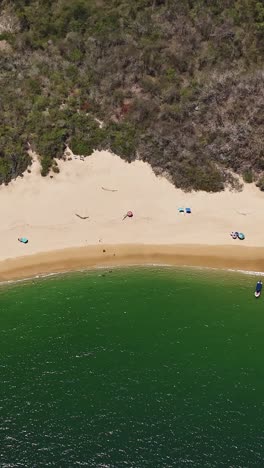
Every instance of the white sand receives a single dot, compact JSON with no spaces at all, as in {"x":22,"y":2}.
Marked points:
{"x":43,"y":209}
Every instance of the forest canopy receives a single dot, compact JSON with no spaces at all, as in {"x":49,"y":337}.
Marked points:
{"x":176,"y":83}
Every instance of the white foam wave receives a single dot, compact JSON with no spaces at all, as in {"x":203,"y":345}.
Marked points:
{"x":247,"y":272}
{"x":116,"y":267}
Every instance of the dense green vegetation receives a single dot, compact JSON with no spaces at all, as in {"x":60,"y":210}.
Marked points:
{"x":177,"y":83}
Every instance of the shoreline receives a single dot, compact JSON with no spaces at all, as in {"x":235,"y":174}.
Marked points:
{"x":240,"y":258}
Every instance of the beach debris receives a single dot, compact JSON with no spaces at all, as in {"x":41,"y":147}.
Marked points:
{"x":24,"y":240}
{"x":129,"y":214}
{"x":243,"y":214}
{"x":109,"y":190}
{"x":81,"y":217}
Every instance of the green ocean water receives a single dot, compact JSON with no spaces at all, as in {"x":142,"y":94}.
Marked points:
{"x":132,"y":368}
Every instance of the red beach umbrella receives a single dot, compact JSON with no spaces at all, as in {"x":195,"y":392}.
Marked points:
{"x":128,"y":215}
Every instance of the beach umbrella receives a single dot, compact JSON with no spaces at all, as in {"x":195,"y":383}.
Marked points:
{"x":128,"y":215}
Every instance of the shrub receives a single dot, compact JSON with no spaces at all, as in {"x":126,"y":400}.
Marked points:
{"x":191,"y":70}
{"x":122,"y":140}
{"x":248,"y":176}
{"x":55,"y":167}
{"x":80,"y":147}
{"x":260,"y":183}
{"x":46,"y":163}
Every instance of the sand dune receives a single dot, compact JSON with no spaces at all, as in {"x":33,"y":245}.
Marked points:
{"x":103,"y":188}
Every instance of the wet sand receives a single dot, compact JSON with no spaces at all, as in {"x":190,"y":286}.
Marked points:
{"x":222,"y":257}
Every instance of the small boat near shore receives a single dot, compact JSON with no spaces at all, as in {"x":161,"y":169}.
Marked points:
{"x":258,"y":289}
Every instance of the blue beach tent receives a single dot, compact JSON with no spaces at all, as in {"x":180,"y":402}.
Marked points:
{"x":188,"y":210}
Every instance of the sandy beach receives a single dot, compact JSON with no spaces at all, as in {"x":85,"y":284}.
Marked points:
{"x":103,"y":188}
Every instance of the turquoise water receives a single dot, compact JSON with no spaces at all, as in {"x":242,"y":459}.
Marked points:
{"x":132,"y":368}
